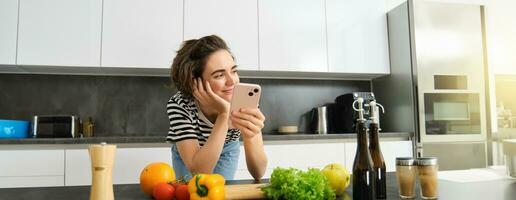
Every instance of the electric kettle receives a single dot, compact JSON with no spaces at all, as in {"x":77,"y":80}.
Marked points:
{"x":319,"y":120}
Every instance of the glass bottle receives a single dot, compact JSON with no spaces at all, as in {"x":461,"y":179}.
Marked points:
{"x":376,"y":153}
{"x":363,"y":172}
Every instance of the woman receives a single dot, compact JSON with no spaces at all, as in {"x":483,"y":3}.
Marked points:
{"x":204,"y":72}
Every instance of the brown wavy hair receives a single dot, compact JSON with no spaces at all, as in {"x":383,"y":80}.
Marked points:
{"x":190,"y":61}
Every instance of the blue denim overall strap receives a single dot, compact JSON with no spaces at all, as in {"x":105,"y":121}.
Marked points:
{"x":226,"y":166}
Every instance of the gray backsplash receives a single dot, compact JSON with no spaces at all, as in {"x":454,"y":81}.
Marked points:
{"x":123,"y":105}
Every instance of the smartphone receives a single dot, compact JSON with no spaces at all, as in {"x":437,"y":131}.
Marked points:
{"x":245,"y":95}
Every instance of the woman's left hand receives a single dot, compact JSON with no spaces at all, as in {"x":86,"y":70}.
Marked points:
{"x":249,"y":121}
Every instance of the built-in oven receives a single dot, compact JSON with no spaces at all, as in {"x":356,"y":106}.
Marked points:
{"x":453,"y":122}
{"x":451,"y":110}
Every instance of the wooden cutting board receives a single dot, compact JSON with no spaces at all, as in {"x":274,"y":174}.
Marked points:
{"x":244,"y":191}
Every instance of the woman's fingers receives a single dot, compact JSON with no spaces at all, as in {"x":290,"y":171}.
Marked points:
{"x":247,"y":128}
{"x":200,"y":94}
{"x":200,"y":85}
{"x":253,"y":115}
{"x":244,"y":118}
{"x":199,"y":88}
{"x":253,"y":111}
{"x":195,"y":87}
{"x":209,"y":91}
{"x":248,"y":120}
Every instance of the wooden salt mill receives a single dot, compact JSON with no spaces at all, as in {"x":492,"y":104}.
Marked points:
{"x":102,"y":159}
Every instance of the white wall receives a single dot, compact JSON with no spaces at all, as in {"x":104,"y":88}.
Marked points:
{"x":501,"y":36}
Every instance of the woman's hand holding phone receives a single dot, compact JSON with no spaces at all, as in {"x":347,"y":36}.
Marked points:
{"x":207,"y":98}
{"x":250,"y":121}
{"x":245,"y":114}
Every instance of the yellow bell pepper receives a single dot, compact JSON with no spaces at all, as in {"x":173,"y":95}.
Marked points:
{"x":206,"y":187}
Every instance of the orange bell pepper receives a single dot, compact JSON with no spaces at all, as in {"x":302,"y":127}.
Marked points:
{"x":206,"y":187}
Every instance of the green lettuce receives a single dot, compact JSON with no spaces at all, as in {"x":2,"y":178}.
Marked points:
{"x":290,"y":183}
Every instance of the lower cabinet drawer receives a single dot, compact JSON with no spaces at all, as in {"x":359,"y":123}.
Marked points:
{"x":31,"y":168}
{"x":20,"y":163}
{"x":34,"y":181}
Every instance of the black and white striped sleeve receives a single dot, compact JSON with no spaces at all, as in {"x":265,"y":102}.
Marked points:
{"x":181,"y":123}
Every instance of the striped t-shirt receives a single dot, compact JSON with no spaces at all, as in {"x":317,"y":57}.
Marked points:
{"x":188,"y":122}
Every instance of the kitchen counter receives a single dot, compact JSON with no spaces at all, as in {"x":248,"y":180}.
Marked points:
{"x":161,"y":139}
{"x":495,"y":189}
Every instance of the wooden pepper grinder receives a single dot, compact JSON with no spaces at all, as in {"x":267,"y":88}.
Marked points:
{"x":102,"y":159}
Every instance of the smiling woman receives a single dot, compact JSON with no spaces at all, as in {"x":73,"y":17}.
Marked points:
{"x":205,"y":73}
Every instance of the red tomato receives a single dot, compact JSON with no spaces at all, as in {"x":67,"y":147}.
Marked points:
{"x":182,"y":192}
{"x":163,"y":191}
{"x":175,"y":184}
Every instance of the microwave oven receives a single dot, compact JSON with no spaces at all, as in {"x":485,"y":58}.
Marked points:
{"x":452,"y":113}
{"x":51,"y":126}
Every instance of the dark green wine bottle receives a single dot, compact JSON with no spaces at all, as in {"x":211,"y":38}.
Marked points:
{"x":376,"y":153}
{"x":363,"y":172}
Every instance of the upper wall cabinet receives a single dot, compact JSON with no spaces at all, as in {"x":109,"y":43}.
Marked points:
{"x":236,"y":21}
{"x":292,"y":35}
{"x":357,"y":36}
{"x":59,"y":32}
{"x":139,"y":33}
{"x":9,"y":24}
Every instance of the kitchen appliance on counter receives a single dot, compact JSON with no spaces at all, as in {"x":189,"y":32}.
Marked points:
{"x":14,"y":128}
{"x":339,"y":117}
{"x":321,"y":126}
{"x":436,"y":88}
{"x":55,"y":126}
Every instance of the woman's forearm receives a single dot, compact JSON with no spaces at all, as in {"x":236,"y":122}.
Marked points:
{"x":256,"y":159}
{"x":205,"y":159}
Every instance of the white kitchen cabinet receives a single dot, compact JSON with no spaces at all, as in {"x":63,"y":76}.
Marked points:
{"x":292,"y":35}
{"x":235,"y":21}
{"x":31,"y":168}
{"x":9,"y":24}
{"x":299,"y":156}
{"x":129,"y":163}
{"x":357,"y":36}
{"x":139,"y":33}
{"x":59,"y":32}
{"x":390,"y":150}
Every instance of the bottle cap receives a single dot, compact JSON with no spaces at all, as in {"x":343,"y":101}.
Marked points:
{"x":374,"y":111}
{"x":360,"y":108}
{"x":405,"y":161}
{"x":426,"y":161}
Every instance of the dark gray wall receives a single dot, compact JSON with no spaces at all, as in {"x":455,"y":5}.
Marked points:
{"x":136,"y":105}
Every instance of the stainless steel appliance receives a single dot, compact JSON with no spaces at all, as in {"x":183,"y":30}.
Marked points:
{"x":55,"y":126}
{"x":322,"y":122}
{"x":339,"y":117}
{"x":437,"y":87}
